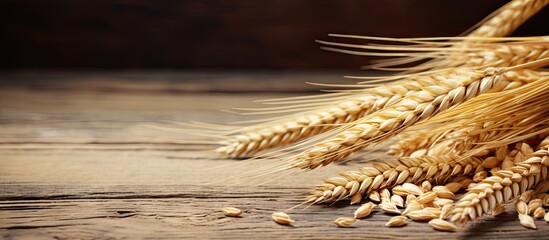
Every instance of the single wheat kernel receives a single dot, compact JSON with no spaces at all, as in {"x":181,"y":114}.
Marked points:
{"x":426,"y":197}
{"x":400,"y":190}
{"x":534,"y":204}
{"x":412,"y":189}
{"x":446,"y":211}
{"x":412,"y":206}
{"x":344,"y":221}
{"x":426,"y":186}
{"x":479,"y":176}
{"x":545,"y":161}
{"x":491,"y":162}
{"x":410,"y":198}
{"x":374,"y":196}
{"x":397,"y":200}
{"x":454,"y":186}
{"x":385,"y":195}
{"x":441,"y":202}
{"x":527,"y":221}
{"x":539,"y":213}
{"x":434,"y":210}
{"x":421,"y":215}
{"x":506,"y":182}
{"x":282,"y":218}
{"x":231,"y":211}
{"x":545,"y":199}
{"x":364,"y":210}
{"x":389,"y":207}
{"x":443,"y":192}
{"x":396,"y":221}
{"x":442,"y":225}
{"x":521,"y":207}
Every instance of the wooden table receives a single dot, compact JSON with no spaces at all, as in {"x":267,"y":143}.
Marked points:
{"x":79,"y":159}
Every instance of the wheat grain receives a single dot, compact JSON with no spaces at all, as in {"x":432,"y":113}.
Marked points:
{"x":522,"y":207}
{"x":364,"y":210}
{"x":442,"y":225}
{"x":412,"y":206}
{"x":527,"y":221}
{"x":413,"y":189}
{"x":397,"y":200}
{"x":441,"y":202}
{"x":539,"y":213}
{"x":389,"y":207}
{"x":231,"y":211}
{"x":421,"y":215}
{"x":453,"y":186}
{"x":410,"y":198}
{"x":533,"y":205}
{"x":426,"y":186}
{"x":282,"y":218}
{"x":396,"y":221}
{"x":479,"y":176}
{"x":446,"y":210}
{"x":374,"y":196}
{"x":426,"y":197}
{"x":443,"y":192}
{"x":344,"y":222}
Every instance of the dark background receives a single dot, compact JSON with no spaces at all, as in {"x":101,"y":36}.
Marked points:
{"x":251,"y":34}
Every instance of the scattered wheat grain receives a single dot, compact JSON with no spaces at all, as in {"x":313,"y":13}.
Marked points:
{"x":231,"y":211}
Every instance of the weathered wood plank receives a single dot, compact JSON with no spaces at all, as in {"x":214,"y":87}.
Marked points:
{"x":84,"y":164}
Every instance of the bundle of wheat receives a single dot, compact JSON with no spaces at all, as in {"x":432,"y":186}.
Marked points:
{"x":470,"y":116}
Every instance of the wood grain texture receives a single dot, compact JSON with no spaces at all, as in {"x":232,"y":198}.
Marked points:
{"x":84,"y":164}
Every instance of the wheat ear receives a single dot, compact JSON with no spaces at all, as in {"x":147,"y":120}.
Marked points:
{"x":508,"y":18}
{"x":457,"y":86}
{"x":429,"y":142}
{"x":504,"y":185}
{"x":293,"y":129}
{"x":356,"y":184}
